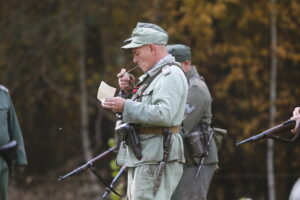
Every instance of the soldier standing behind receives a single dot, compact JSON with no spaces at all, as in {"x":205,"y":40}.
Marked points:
{"x":155,"y":108}
{"x":196,"y":123}
{"x":9,"y":131}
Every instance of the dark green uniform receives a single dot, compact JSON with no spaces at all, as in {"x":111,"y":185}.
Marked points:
{"x":197,"y":115}
{"x":9,"y":130}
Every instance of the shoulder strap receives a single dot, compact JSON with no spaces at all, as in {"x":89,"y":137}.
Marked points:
{"x":146,"y":85}
{"x":175,"y":63}
{"x":149,"y":80}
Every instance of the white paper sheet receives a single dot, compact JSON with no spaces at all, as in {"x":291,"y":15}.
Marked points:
{"x":105,"y":91}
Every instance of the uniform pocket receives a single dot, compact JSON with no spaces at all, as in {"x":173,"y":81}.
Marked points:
{"x":147,"y":96}
{"x":147,"y":93}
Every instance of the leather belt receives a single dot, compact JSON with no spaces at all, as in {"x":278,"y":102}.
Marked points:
{"x":157,"y":130}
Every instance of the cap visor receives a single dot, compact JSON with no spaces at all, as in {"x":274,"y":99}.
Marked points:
{"x":128,"y":40}
{"x":132,"y":45}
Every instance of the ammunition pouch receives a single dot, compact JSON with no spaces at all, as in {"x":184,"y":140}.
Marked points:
{"x":196,"y":141}
{"x":127,"y":133}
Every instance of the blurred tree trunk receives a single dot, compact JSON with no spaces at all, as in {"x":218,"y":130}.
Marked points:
{"x":270,"y":142}
{"x":83,"y":96}
{"x":84,"y":115}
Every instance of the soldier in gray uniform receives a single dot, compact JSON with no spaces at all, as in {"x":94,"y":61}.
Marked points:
{"x":196,"y":123}
{"x":155,"y":108}
{"x":9,"y":130}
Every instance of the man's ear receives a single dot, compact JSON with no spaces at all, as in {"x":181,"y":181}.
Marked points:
{"x":187,"y":62}
{"x":185,"y":65}
{"x":152,"y":47}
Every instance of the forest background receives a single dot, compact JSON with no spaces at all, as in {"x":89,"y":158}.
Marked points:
{"x":54,"y":54}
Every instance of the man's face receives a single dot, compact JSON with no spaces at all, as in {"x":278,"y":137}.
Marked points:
{"x":143,"y":57}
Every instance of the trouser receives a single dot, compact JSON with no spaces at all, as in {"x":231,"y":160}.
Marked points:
{"x":192,"y":188}
{"x":141,"y":181}
{"x":3,"y":184}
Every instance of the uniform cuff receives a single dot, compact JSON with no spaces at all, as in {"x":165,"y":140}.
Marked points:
{"x":126,"y":112}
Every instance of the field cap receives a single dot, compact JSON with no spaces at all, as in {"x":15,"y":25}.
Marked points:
{"x":180,"y":52}
{"x":147,"y":25}
{"x":146,"y":35}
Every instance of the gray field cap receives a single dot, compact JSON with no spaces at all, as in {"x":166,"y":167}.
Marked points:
{"x":180,"y":52}
{"x":143,"y":35}
{"x":147,"y":25}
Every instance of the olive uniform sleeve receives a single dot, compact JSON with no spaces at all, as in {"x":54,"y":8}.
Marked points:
{"x":16,"y":134}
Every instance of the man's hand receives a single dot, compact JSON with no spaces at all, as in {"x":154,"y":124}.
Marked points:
{"x":296,"y":117}
{"x":296,"y":111}
{"x":115,"y":103}
{"x":126,"y":81}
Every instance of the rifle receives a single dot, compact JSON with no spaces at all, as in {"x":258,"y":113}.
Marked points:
{"x":287,"y":125}
{"x":90,"y":163}
{"x":113,"y":182}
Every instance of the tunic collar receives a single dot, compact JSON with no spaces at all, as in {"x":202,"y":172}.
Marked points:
{"x":153,"y":70}
{"x":192,"y":72}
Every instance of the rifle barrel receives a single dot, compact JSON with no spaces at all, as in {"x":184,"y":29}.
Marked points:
{"x":89,"y":163}
{"x":113,"y":182}
{"x":281,"y":127}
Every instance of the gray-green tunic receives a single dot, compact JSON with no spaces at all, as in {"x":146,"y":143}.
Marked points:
{"x":162,"y":104}
{"x":9,"y":130}
{"x":197,"y":112}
